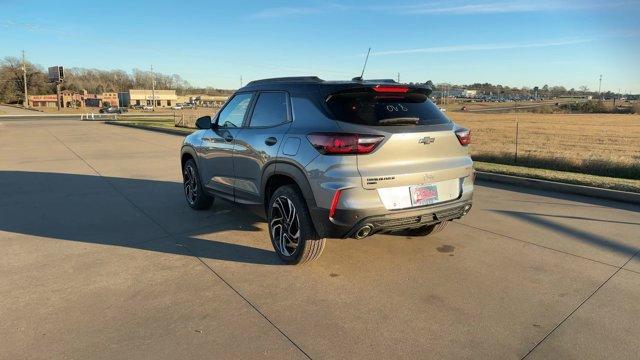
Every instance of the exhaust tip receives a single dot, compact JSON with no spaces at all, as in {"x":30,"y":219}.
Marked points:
{"x":466,"y":209}
{"x":363,"y":232}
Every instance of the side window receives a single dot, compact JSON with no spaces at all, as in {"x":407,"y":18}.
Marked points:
{"x":233,"y":114}
{"x":270,"y":110}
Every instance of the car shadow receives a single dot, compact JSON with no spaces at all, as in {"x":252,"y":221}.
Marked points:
{"x":562,"y":196}
{"x":574,"y":232}
{"x":133,"y":213}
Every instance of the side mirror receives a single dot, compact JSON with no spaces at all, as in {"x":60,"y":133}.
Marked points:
{"x":204,"y":122}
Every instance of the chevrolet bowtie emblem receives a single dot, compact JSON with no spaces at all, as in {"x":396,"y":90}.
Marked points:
{"x":426,"y":140}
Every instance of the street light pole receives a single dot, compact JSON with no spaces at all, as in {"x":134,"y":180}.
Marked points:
{"x":25,"y":103}
{"x":153,"y":89}
{"x":600,"y":87}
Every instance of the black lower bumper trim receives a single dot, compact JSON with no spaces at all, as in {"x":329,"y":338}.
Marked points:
{"x":347,"y":222}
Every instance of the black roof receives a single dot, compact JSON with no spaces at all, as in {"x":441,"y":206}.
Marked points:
{"x":308,"y":83}
{"x":289,"y":79}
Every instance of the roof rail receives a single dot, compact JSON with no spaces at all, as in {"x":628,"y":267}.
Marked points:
{"x":383,"y":81}
{"x":289,"y":79}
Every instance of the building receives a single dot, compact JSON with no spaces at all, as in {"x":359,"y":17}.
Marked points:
{"x":469,"y":93}
{"x":163,"y":98}
{"x":71,"y":99}
{"x":43,"y":101}
{"x":203,"y":100}
{"x":109,"y":99}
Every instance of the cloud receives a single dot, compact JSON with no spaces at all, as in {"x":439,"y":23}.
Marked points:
{"x":447,"y":8}
{"x":483,"y":47}
{"x":287,"y":11}
{"x":30,"y":27}
{"x":497,"y":7}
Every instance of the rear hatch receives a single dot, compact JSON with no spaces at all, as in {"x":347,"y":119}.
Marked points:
{"x":420,"y":161}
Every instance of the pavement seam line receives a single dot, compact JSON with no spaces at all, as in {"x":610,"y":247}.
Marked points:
{"x":538,"y":245}
{"x":632,"y":271}
{"x":246,"y":300}
{"x":579,"y":306}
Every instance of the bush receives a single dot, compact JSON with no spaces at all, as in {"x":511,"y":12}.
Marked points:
{"x":588,"y":107}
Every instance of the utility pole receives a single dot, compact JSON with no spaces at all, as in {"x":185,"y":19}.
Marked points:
{"x":25,"y":103}
{"x":153,"y":88}
{"x":600,"y":87}
{"x":398,"y":77}
{"x":240,"y":80}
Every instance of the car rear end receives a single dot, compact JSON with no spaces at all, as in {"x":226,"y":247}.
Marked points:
{"x":394,"y":162}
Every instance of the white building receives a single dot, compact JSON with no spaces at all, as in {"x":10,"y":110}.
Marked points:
{"x":157,"y":98}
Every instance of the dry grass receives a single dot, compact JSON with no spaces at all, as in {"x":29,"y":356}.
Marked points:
{"x":599,"y":144}
{"x":561,"y":176}
{"x":187,"y":117}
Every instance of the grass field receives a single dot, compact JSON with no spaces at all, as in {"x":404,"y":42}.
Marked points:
{"x":598,"y":144}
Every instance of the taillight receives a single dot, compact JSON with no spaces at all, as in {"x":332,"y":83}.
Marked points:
{"x":334,"y":203}
{"x":390,"y":89}
{"x":464,"y":136}
{"x":341,"y":143}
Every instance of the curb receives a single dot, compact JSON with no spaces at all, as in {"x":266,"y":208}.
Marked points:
{"x":617,"y":195}
{"x":148,"y":128}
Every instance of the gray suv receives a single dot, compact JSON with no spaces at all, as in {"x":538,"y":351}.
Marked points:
{"x":333,"y":159}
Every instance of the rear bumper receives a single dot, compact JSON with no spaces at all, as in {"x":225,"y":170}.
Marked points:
{"x":346,"y":223}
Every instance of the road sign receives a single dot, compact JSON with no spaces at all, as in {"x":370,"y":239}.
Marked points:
{"x":56,"y":74}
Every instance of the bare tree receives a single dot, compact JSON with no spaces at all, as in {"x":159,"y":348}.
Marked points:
{"x":12,"y":83}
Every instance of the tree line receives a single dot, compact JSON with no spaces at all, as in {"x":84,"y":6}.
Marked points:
{"x":496,"y":89}
{"x":94,"y":81}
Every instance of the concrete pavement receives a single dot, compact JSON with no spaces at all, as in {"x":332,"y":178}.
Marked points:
{"x":101,"y":258}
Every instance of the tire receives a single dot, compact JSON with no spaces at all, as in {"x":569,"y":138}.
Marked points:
{"x":194,"y":193}
{"x":288,"y":216}
{"x":428,"y":229}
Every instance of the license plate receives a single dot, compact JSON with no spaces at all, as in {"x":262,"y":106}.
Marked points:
{"x":423,"y":194}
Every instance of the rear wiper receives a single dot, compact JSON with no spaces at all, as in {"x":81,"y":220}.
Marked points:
{"x":400,"y":121}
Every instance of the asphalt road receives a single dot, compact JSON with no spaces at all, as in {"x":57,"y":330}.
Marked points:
{"x":101,"y":258}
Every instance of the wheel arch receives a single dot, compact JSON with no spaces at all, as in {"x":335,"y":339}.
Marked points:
{"x":186,"y":153}
{"x":281,"y":173}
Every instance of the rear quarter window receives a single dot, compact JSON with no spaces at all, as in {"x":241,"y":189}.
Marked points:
{"x":365,"y":108}
{"x":270,"y":110}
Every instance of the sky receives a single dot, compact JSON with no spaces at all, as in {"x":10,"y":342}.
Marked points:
{"x":215,"y":43}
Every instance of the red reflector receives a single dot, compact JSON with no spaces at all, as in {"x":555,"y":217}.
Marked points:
{"x":464,"y":136}
{"x":339,"y":143}
{"x":334,"y":203}
{"x":390,"y":89}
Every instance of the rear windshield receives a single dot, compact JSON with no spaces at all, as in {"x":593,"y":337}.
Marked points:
{"x":373,"y":109}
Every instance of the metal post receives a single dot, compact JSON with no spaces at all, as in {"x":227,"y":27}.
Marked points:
{"x":58,"y":94}
{"x":25,"y":103}
{"x":153,"y":89}
{"x":517,"y":131}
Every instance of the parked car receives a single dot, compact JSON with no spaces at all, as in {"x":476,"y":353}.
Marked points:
{"x":112,"y":110}
{"x":355,"y":158}
{"x":148,"y":108}
{"x":137,"y":107}
{"x":177,"y":107}
{"x":188,"y":106}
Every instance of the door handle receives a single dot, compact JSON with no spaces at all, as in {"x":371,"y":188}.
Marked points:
{"x":270,"y":141}
{"x":228,"y":137}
